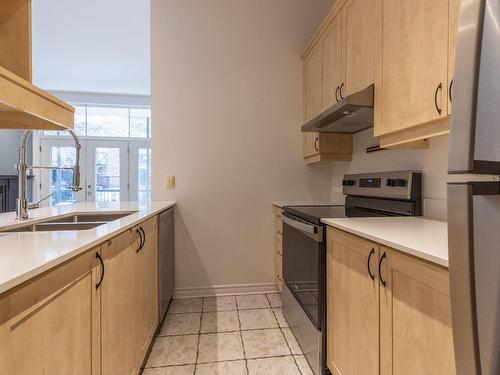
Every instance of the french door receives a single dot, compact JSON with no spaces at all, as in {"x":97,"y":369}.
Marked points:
{"x":107,"y":171}
{"x":110,"y":170}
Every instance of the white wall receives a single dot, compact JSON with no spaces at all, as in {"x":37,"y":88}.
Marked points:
{"x":227,"y":107}
{"x":92,"y":45}
{"x":433,"y":163}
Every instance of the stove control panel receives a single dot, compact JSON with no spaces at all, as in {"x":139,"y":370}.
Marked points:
{"x":397,"y":184}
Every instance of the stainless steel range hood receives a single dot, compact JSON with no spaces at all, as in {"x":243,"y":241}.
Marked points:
{"x":350,"y":115}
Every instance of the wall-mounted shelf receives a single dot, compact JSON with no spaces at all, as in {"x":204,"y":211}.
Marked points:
{"x":23,"y":105}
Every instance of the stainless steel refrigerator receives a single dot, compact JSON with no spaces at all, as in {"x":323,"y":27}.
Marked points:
{"x":474,"y":190}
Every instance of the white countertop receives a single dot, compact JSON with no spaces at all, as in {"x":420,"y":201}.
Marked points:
{"x":24,"y":255}
{"x":421,"y":237}
{"x":280,"y":204}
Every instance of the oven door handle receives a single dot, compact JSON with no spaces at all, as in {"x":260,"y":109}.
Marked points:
{"x":312,"y":231}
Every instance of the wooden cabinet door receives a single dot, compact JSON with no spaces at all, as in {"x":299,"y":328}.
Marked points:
{"x":352,"y":305}
{"x":332,"y":61}
{"x":313,"y":82}
{"x":415,"y":317}
{"x":119,"y":306}
{"x":360,"y":19}
{"x":414,"y":63}
{"x":50,"y":325}
{"x":313,"y":96}
{"x":147,"y":289}
{"x":311,"y":144}
{"x":454,"y":6}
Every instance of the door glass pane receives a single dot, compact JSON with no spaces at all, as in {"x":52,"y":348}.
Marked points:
{"x":140,"y":123}
{"x":107,"y":174}
{"x":107,"y":122}
{"x":61,"y":180}
{"x":144,"y":175}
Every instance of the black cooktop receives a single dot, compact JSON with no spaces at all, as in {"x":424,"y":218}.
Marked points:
{"x":314,"y":214}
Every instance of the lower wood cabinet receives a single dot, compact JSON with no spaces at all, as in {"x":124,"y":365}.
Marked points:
{"x":415,"y":317}
{"x":129,"y":299}
{"x":50,"y":325}
{"x":278,"y":247}
{"x":396,"y":321}
{"x":352,"y":305}
{"x":93,"y":315}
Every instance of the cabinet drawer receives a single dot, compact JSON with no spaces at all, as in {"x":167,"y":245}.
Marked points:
{"x":278,"y":222}
{"x":278,"y":245}
{"x":278,"y":270}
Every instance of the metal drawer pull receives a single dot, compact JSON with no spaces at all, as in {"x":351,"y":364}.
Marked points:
{"x":340,"y":91}
{"x":451,"y":86}
{"x":368,"y":264}
{"x":98,"y":256}
{"x":138,"y":230}
{"x":440,"y":86}
{"x":337,"y":94}
{"x":143,"y":237}
{"x":316,"y":144}
{"x":382,"y":281}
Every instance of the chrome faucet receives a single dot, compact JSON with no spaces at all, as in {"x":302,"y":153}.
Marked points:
{"x":22,"y":203}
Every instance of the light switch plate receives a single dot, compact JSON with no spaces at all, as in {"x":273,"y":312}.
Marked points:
{"x":170,"y":182}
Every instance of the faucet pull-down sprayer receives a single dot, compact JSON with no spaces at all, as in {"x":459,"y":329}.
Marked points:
{"x":22,"y":203}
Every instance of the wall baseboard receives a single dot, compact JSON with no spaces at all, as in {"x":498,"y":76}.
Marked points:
{"x":224,"y":290}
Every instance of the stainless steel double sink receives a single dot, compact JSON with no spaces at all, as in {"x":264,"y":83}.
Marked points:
{"x":75,"y":221}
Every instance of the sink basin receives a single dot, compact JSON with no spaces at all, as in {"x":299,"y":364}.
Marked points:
{"x":46,"y":227}
{"x":90,"y":217}
{"x":77,"y":221}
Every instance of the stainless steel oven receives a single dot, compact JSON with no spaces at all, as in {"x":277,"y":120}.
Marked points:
{"x":304,"y":293}
{"x":304,"y":250}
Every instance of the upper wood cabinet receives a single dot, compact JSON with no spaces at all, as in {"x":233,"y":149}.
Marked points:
{"x":313,"y":82}
{"x":50,"y":325}
{"x":337,"y":62}
{"x":333,"y":73}
{"x":388,"y":308}
{"x":23,"y":105}
{"x":360,"y":18}
{"x":414,"y":69}
{"x":454,"y":7}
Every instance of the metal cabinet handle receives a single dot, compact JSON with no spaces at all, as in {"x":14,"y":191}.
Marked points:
{"x":98,"y":256}
{"x":316,"y":144}
{"x":340,"y":91}
{"x":382,"y":281}
{"x":337,"y":93}
{"x":140,"y":243}
{"x":440,"y":86}
{"x":372,"y":276}
{"x":449,"y":91}
{"x":143,"y":237}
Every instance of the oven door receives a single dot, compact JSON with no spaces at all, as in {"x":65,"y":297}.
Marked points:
{"x":304,"y":265}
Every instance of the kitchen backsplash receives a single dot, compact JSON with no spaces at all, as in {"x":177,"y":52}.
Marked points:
{"x":432,"y":162}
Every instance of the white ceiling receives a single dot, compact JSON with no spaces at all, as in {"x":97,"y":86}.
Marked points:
{"x":92,"y":45}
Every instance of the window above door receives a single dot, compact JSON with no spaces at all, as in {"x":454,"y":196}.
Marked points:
{"x":110,"y":122}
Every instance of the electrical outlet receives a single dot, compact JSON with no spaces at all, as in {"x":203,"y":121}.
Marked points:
{"x":170,"y":182}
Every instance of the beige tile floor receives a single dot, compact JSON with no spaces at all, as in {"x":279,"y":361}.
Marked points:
{"x":230,"y":335}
